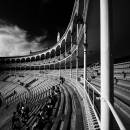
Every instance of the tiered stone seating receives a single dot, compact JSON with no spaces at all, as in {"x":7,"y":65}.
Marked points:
{"x":41,"y":88}
{"x":3,"y":76}
{"x":38,"y":91}
{"x":121,"y":88}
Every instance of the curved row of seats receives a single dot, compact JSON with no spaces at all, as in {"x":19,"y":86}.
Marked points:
{"x":44,"y":86}
{"x":70,"y":114}
{"x":62,"y":112}
{"x":67,"y":113}
{"x":36,"y":94}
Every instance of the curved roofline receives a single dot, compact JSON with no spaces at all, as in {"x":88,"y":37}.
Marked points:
{"x":59,"y":42}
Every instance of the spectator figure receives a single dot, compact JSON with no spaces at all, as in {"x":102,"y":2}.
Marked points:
{"x":81,"y":79}
{"x":34,"y":126}
{"x":62,"y":80}
{"x":16,"y":124}
{"x":39,"y":124}
{"x":115,"y":80}
{"x":57,"y":90}
{"x":18,"y":107}
{"x":27,"y":112}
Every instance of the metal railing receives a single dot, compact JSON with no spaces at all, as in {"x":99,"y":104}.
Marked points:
{"x":114,"y":113}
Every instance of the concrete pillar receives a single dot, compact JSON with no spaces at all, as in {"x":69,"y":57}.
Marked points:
{"x":60,"y":62}
{"x":59,"y":69}
{"x":65,"y":56}
{"x":106,"y":71}
{"x":85,"y":56}
{"x":77,"y":54}
{"x":71,"y":60}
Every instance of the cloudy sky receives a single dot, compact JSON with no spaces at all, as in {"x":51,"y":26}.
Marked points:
{"x":31,"y":24}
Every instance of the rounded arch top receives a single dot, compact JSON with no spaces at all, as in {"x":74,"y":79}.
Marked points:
{"x":58,"y":50}
{"x":33,"y":58}
{"x":38,"y":58}
{"x":42,"y":56}
{"x":27,"y":59}
{"x":23,"y":60}
{"x":53,"y":51}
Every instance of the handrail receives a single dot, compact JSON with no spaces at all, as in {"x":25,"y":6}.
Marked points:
{"x":93,"y":87}
{"x":119,"y":122}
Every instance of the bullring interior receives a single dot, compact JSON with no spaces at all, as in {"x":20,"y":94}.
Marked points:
{"x":80,"y":83}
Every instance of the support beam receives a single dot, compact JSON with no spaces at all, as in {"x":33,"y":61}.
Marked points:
{"x":65,"y":65}
{"x":85,"y":56}
{"x":60,"y":62}
{"x":106,"y":71}
{"x":71,"y":59}
{"x":70,"y":66}
{"x":77,"y":53}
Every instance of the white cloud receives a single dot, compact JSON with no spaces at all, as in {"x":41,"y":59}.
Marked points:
{"x":13,"y":41}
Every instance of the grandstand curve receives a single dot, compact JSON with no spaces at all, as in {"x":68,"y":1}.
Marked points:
{"x":30,"y":79}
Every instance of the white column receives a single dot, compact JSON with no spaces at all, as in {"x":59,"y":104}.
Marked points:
{"x":71,"y":60}
{"x":85,"y":56}
{"x":65,"y":56}
{"x":77,"y":54}
{"x":60,"y":61}
{"x":70,"y":67}
{"x":77,"y":64}
{"x":105,"y":64}
{"x":43,"y":70}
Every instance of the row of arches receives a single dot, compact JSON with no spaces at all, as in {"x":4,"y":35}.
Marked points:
{"x":63,"y":48}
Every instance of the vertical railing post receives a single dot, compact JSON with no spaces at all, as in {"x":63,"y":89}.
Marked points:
{"x":70,"y":67}
{"x":106,"y":71}
{"x":85,"y":56}
{"x":65,"y":57}
{"x":93,"y":97}
{"x":65,"y":65}
{"x":71,"y":59}
{"x":77,"y":53}
{"x":60,"y":61}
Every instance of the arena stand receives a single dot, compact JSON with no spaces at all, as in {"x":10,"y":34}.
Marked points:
{"x":60,"y":89}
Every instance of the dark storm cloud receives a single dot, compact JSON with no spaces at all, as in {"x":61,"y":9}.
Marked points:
{"x":40,"y":20}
